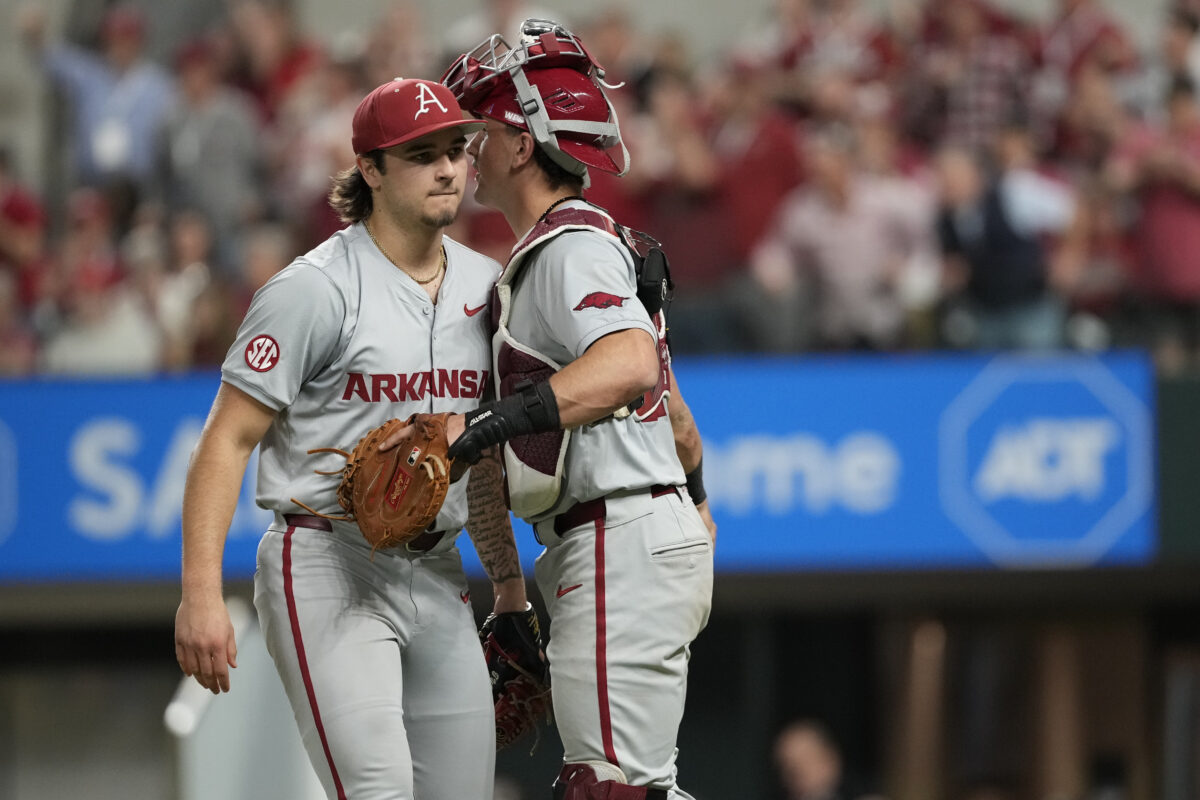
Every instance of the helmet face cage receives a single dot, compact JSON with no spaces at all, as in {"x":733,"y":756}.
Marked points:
{"x":544,"y":44}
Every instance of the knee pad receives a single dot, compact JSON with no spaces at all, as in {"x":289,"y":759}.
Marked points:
{"x":599,"y":780}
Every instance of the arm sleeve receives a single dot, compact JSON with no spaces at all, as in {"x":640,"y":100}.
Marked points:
{"x":1036,"y":204}
{"x":74,"y":69}
{"x":586,"y":289}
{"x":292,"y":330}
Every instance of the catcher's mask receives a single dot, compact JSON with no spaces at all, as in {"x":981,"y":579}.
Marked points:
{"x":549,"y":86}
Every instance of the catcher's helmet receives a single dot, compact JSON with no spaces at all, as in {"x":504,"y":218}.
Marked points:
{"x":549,"y":86}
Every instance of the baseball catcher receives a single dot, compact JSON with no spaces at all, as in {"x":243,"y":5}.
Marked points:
{"x":514,"y":650}
{"x":395,"y":494}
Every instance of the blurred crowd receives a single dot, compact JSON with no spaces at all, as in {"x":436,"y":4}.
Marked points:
{"x":942,"y":174}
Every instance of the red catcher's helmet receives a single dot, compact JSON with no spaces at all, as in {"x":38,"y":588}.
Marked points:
{"x":549,"y":86}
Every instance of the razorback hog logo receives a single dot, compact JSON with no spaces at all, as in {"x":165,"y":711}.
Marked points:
{"x":600,"y":300}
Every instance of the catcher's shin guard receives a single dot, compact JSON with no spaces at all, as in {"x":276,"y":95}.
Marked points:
{"x":599,"y":780}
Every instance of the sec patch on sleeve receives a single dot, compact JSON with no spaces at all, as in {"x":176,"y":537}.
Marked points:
{"x":600,"y":300}
{"x":262,"y":353}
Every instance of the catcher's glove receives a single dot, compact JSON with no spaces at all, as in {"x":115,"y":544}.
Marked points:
{"x":516,"y":662}
{"x":393,"y":495}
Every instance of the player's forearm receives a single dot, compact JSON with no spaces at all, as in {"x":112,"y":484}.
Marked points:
{"x":209,"y":500}
{"x":490,"y":528}
{"x":615,"y":370}
{"x":688,"y":446}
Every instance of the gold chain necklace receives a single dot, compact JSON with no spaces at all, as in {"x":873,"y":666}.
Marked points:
{"x":387,"y":255}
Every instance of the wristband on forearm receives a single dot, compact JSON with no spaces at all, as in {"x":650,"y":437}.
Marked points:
{"x":532,"y":408}
{"x":695,"y":484}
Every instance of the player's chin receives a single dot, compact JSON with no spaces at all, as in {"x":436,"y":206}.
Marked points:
{"x":441,"y":219}
{"x":481,"y":194}
{"x":444,"y":210}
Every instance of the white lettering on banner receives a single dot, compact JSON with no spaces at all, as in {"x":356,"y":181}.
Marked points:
{"x":94,"y":458}
{"x":861,"y":473}
{"x":99,"y":456}
{"x":1047,"y":460}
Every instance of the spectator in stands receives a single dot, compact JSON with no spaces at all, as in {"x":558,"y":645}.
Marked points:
{"x":1084,"y":34}
{"x":312,"y":143}
{"x":1082,"y":37}
{"x":754,"y":152}
{"x":18,"y":345}
{"x":757,"y":150}
{"x":399,"y":44}
{"x":969,"y":88}
{"x":212,"y":155}
{"x":839,"y":248}
{"x":1178,"y":55}
{"x":1160,"y":167}
{"x":117,"y":103}
{"x":809,"y":764}
{"x":100,"y":323}
{"x":22,"y":236}
{"x":999,"y":272}
{"x":677,"y":175}
{"x":271,"y":55}
{"x":269,"y":248}
{"x":172,"y":272}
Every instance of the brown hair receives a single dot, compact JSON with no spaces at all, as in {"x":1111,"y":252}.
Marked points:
{"x":556,"y":176}
{"x":351,"y":196}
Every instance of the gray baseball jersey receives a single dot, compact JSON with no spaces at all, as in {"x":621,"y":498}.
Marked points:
{"x":340,"y":341}
{"x":579,"y":287}
{"x":378,"y":652}
{"x":628,"y":583}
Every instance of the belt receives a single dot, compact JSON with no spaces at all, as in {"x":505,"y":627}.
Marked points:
{"x":592,"y":510}
{"x":423,"y":543}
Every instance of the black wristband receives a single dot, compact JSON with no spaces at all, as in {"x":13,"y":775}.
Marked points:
{"x":532,"y":408}
{"x":695,"y":484}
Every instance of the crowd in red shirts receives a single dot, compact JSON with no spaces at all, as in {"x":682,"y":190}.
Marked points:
{"x":947,"y":174}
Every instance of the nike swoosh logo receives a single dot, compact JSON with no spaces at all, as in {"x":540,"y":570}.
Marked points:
{"x":470,"y":312}
{"x":561,"y":591}
{"x":465,"y":595}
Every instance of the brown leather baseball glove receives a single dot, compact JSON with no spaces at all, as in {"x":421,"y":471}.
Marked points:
{"x":394,"y":495}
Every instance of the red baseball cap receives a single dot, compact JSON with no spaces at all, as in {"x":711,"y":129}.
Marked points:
{"x":405,"y":109}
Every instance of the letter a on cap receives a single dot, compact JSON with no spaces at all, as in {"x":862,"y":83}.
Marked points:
{"x":426,"y":98}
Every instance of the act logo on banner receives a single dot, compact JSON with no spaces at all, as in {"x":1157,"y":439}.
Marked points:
{"x":1044,"y":462}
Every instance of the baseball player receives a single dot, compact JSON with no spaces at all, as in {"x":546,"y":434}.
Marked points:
{"x":378,"y":653}
{"x":602,"y":457}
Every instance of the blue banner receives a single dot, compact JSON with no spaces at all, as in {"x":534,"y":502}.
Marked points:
{"x":815,"y":463}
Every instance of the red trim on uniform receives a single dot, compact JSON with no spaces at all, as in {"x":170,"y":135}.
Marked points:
{"x":606,"y":736}
{"x":304,"y":673}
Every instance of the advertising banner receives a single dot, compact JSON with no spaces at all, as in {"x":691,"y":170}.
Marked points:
{"x":815,"y":463}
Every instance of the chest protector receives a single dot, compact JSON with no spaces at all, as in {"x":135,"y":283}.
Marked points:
{"x":535,"y":464}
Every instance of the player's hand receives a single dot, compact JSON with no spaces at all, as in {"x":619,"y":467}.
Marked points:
{"x":398,"y":435}
{"x":455,"y":424}
{"x":204,"y":641}
{"x":709,"y":522}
